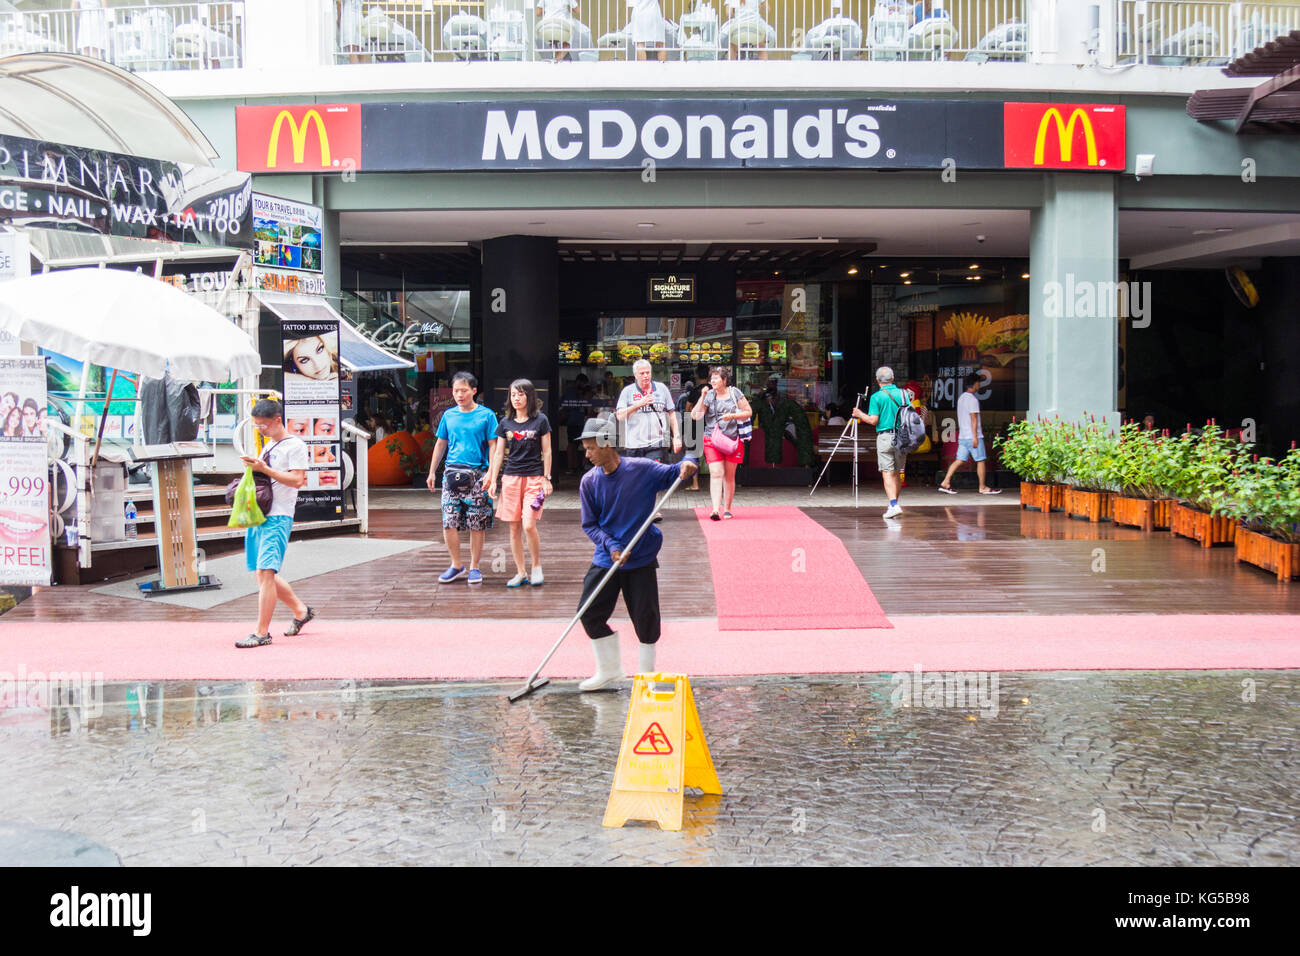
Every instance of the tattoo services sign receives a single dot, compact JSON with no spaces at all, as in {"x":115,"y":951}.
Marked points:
{"x":311,"y":412}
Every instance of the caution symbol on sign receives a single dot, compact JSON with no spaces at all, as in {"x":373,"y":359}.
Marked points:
{"x":656,"y":765}
{"x":654,"y":742}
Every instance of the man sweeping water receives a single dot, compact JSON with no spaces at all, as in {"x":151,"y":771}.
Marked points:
{"x":617,"y":496}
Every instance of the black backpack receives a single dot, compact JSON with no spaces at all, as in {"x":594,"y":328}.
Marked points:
{"x":909,"y":427}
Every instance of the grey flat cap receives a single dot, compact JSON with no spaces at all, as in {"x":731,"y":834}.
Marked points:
{"x":605,"y":432}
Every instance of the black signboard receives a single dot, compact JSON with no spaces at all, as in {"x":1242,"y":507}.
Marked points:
{"x":672,"y":289}
{"x":90,"y":190}
{"x":311,"y":412}
{"x":830,"y":133}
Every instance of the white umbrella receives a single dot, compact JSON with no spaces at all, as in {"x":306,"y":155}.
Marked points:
{"x":125,"y":320}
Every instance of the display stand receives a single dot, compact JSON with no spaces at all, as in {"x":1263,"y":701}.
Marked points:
{"x":173,"y":501}
{"x":851,"y":432}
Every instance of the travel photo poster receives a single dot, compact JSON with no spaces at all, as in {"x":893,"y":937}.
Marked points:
{"x":24,"y":496}
{"x":311,"y":412}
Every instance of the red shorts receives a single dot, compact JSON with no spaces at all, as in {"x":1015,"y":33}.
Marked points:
{"x":711,"y":454}
{"x":518,"y":492}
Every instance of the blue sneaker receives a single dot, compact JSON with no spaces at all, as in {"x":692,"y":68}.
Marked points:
{"x":451,"y":574}
{"x":475,"y":576}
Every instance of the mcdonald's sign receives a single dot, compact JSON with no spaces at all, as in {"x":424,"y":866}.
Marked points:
{"x":306,"y":138}
{"x":1079,"y":136}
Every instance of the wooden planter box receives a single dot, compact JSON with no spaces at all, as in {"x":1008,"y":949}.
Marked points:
{"x":1043,"y":497}
{"x":1206,"y":528}
{"x":1149,"y":514}
{"x":1280,"y":557}
{"x":1093,"y":505}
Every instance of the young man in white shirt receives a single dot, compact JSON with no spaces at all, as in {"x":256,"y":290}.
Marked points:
{"x":285,"y":463}
{"x":970,"y":437}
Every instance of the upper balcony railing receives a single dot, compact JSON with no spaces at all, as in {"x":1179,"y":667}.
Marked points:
{"x":583,"y":30}
{"x":1160,"y":32}
{"x":1169,"y":33}
{"x":141,"y":37}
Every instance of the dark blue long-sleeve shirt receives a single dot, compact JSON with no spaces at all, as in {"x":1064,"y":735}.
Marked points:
{"x":614,"y":506}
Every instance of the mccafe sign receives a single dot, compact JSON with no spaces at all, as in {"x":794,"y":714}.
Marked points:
{"x":829,"y":133}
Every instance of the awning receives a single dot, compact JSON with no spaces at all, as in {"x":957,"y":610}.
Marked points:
{"x":64,"y":98}
{"x":356,"y":352}
{"x":1271,"y":107}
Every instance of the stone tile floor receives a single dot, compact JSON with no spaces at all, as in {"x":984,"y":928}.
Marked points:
{"x":1074,"y":769}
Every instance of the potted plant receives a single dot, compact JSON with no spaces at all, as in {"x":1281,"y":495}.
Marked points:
{"x":1264,"y":496}
{"x":1091,"y":470}
{"x":1144,"y":464}
{"x":1205,"y":464}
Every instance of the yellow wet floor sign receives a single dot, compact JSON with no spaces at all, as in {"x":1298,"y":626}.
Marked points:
{"x":663,"y":753}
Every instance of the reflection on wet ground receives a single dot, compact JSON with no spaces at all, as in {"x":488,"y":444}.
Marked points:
{"x":1114,"y":768}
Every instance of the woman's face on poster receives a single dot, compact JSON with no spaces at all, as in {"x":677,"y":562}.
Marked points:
{"x":313,"y":359}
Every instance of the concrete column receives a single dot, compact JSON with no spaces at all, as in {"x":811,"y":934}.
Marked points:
{"x":520,"y":304}
{"x":288,"y":32}
{"x":1074,"y":299}
{"x":329,"y":241}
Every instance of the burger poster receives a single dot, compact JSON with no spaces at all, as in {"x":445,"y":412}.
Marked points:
{"x":24,"y":492}
{"x":751,"y":352}
{"x":968,"y":341}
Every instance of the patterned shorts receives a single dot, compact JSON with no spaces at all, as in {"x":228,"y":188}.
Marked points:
{"x":469,"y":509}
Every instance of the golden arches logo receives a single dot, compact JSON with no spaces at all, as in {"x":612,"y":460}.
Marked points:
{"x":1065,"y":136}
{"x":298,"y":138}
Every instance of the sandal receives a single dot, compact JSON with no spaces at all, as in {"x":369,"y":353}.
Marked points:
{"x":715,"y":517}
{"x":254,"y":640}
{"x":299,"y":623}
{"x":727,"y":514}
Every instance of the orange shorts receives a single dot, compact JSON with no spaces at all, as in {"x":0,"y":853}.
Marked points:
{"x":518,"y":492}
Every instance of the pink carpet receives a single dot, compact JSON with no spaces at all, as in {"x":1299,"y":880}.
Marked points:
{"x":777,"y":569}
{"x":361,"y":650}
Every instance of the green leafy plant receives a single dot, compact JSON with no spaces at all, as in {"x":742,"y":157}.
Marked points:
{"x":1091,"y":460}
{"x":405,"y":460}
{"x":1264,"y":495}
{"x":1202,"y":465}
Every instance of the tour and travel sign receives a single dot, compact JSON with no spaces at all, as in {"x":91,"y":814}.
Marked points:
{"x":89,"y":190}
{"x":833,"y":133}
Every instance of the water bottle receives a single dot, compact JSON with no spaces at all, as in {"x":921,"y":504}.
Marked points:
{"x":131,"y":516}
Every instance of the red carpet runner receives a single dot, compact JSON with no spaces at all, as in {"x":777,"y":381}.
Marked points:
{"x":777,"y":569}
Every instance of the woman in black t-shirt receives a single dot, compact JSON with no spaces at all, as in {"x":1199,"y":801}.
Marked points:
{"x":521,"y":458}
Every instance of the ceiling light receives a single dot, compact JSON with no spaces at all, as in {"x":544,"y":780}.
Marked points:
{"x":975,"y":265}
{"x":904,"y":275}
{"x":853,"y":270}
{"x":907,"y":282}
{"x":1024,"y":275}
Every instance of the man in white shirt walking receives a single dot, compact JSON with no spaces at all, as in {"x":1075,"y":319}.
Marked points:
{"x":970,"y":437}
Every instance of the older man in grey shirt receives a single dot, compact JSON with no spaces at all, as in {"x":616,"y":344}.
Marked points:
{"x":647,"y":417}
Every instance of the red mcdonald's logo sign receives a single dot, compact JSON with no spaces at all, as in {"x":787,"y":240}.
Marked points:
{"x":1081,"y":136}
{"x":300,"y":138}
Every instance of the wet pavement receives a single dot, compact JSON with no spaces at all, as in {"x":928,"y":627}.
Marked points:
{"x":1079,"y":768}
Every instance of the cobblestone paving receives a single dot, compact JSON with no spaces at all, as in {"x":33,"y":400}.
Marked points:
{"x":1113,"y":768}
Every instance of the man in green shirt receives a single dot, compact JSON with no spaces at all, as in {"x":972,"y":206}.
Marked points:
{"x":882,"y":412}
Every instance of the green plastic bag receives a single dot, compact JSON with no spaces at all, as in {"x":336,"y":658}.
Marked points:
{"x":244,"y":512}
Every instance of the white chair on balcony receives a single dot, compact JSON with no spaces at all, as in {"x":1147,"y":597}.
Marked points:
{"x":1009,"y":41}
{"x":18,"y":36}
{"x":623,"y":42}
{"x":699,"y":33}
{"x":387,"y":41}
{"x":465,"y":35}
{"x":195,"y":44}
{"x":747,"y":34}
{"x":1197,"y":44}
{"x":931,"y":37}
{"x":507,"y":35}
{"x":143,"y":39}
{"x":836,"y":38}
{"x":887,"y":31}
{"x":561,"y":33}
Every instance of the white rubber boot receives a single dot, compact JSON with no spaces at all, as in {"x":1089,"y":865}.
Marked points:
{"x":609,"y":664}
{"x":645,"y":658}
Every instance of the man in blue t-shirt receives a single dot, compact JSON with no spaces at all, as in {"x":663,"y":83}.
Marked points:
{"x":464,"y":434}
{"x":617,"y":496}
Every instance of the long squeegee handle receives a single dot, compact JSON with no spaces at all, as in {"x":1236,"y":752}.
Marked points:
{"x":603,"y":581}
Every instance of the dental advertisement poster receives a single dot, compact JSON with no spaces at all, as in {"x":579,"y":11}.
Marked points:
{"x":311,"y":412}
{"x":24,"y":496}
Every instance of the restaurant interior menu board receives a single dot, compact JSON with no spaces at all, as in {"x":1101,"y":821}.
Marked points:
{"x":311,"y":411}
{"x":24,"y":495}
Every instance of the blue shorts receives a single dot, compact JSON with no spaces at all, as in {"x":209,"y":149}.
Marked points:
{"x":965,"y":452}
{"x":265,"y":544}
